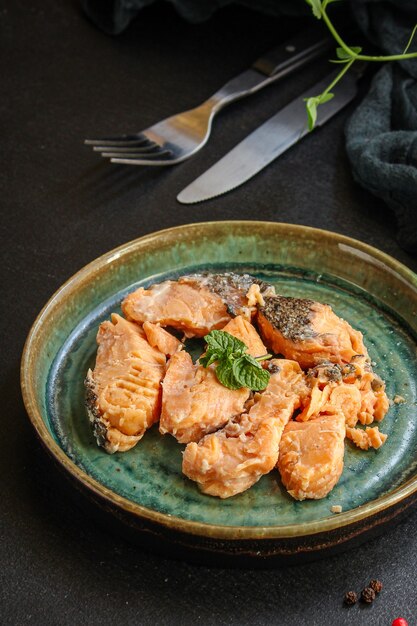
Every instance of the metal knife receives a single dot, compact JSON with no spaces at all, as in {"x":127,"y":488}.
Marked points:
{"x":268,"y":141}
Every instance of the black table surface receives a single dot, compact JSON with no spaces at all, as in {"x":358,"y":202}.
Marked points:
{"x":62,"y":206}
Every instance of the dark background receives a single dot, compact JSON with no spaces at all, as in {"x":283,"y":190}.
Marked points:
{"x":62,"y":206}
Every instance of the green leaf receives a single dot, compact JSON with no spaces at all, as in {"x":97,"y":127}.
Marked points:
{"x":231,"y":355}
{"x":208,"y":358}
{"x":316,"y":7}
{"x":325,"y":97}
{"x":224,"y":373}
{"x":311,"y":106}
{"x":345,"y":56}
{"x":220,"y":342}
{"x":249,"y":373}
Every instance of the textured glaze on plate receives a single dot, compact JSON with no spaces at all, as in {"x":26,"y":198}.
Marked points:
{"x":150,"y":474}
{"x":370,"y":290}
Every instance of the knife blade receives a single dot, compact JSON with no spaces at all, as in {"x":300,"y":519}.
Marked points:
{"x":268,"y":141}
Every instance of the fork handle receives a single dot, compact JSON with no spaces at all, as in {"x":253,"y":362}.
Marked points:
{"x":272,"y":66}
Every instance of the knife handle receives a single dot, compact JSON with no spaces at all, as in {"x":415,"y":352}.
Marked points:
{"x":305,"y":46}
{"x":272,"y":66}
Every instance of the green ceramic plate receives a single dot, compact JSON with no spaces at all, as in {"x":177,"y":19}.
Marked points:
{"x":144,"y":487}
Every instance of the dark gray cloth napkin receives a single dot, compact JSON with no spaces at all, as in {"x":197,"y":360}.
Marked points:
{"x":381,"y":136}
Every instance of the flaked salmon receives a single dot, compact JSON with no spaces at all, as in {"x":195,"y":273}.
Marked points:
{"x":190,"y":308}
{"x":365,"y":439}
{"x":194,"y":402}
{"x":198,"y":303}
{"x":161,"y":339}
{"x":352,"y":389}
{"x":234,"y":458}
{"x":123,"y":390}
{"x":241,"y":293}
{"x":311,"y":456}
{"x":307,"y":332}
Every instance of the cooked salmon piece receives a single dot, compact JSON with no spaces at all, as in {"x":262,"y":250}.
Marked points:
{"x":124,"y":389}
{"x":194,"y":402}
{"x":365,"y":439}
{"x":241,"y":293}
{"x":198,"y":303}
{"x":190,"y":308}
{"x":307,"y":332}
{"x":352,"y":389}
{"x":234,"y":458}
{"x":161,"y":339}
{"x":311,"y":456}
{"x":240,"y":328}
{"x":345,"y":399}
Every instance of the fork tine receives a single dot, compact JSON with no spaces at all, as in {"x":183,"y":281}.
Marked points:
{"x":162,"y":159}
{"x":123,"y":140}
{"x":161,"y":154}
{"x":145,"y":149}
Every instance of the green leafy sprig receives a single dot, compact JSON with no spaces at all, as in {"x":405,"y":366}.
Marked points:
{"x":235,"y":367}
{"x":346,"y":55}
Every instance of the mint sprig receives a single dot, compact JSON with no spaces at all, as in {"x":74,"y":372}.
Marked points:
{"x":346,"y":55}
{"x":235,"y":367}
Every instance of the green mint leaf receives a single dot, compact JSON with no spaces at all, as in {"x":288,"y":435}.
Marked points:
{"x":345,"y":56}
{"x":208,"y":358}
{"x":311,"y":106}
{"x":224,"y":373}
{"x":222,"y":343}
{"x":248,"y":373}
{"x":316,"y":7}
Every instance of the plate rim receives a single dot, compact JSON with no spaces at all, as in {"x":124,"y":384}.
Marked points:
{"x":193,"y":527}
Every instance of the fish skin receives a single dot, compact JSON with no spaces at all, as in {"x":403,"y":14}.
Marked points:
{"x":196,"y":303}
{"x":308,"y":332}
{"x":232,"y":288}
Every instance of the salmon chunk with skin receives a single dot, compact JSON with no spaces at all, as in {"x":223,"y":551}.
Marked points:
{"x":198,"y":303}
{"x":194,"y":402}
{"x":234,"y":458}
{"x":191,"y":308}
{"x":241,"y":293}
{"x":124,"y":388}
{"x":311,"y":456}
{"x":307,"y":332}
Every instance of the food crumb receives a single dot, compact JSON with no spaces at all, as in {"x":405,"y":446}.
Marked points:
{"x":255,"y":296}
{"x":336,"y":508}
{"x":376,"y":585}
{"x":398,"y":399}
{"x":350,"y":598}
{"x":368,"y":595}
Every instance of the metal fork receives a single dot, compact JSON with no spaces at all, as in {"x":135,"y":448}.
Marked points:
{"x":176,"y":138}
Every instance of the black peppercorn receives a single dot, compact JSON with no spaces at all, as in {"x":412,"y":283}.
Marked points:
{"x":376,"y":585}
{"x":368,"y":595}
{"x":350,"y":598}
